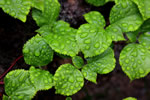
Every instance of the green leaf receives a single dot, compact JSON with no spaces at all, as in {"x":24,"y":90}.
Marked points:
{"x":144,"y":39}
{"x":97,"y":2}
{"x":39,"y":4}
{"x":95,"y":18}
{"x":16,"y":8}
{"x":122,"y":16}
{"x":134,"y":59}
{"x":63,"y":39}
{"x":144,"y":7}
{"x":101,"y":64}
{"x":5,"y":97}
{"x":78,"y":62}
{"x":115,"y":32}
{"x":41,"y":79}
{"x":68,"y":80}
{"x":18,"y":85}
{"x":49,"y":15}
{"x":132,"y":36}
{"x":130,"y":98}
{"x":145,"y":27}
{"x":92,"y":40}
{"x":37,"y":52}
{"x":68,"y":98}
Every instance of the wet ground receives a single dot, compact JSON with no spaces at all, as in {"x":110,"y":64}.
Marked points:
{"x":113,"y":86}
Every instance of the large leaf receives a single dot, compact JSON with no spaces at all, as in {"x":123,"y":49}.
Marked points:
{"x":101,"y":64}
{"x":18,"y":85}
{"x":144,"y":39}
{"x":144,"y":7}
{"x":16,"y":8}
{"x":123,"y":19}
{"x":41,"y":79}
{"x":49,"y":15}
{"x":135,"y":61}
{"x":62,"y":39}
{"x":37,"y":52}
{"x":68,"y":80}
{"x":92,"y":38}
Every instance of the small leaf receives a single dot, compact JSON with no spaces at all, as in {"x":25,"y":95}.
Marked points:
{"x":122,"y":16}
{"x":16,"y":8}
{"x":130,"y":98}
{"x":37,"y":52}
{"x":144,"y":7}
{"x":144,"y":39}
{"x":5,"y":97}
{"x":49,"y":15}
{"x":68,"y":80}
{"x":92,"y":40}
{"x":101,"y":64}
{"x":95,"y":18}
{"x":41,"y":79}
{"x":78,"y":61}
{"x":63,"y":39}
{"x":134,"y":59}
{"x":18,"y":85}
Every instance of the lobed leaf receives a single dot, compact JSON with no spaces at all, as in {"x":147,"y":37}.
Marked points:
{"x":101,"y":64}
{"x":18,"y":85}
{"x":37,"y":52}
{"x":62,"y":39}
{"x":68,"y":80}
{"x":16,"y":8}
{"x":134,"y":59}
{"x":41,"y":79}
{"x":49,"y":15}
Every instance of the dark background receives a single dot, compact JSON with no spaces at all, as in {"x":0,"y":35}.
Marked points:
{"x":113,"y":86}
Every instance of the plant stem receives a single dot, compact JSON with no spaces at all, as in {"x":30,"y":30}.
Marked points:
{"x":10,"y":67}
{"x":1,"y":83}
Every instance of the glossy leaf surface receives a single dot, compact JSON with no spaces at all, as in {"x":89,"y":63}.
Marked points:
{"x":101,"y":64}
{"x":134,"y":60}
{"x":68,"y":80}
{"x":37,"y":52}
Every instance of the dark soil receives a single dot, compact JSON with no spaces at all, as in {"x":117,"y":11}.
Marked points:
{"x":113,"y":86}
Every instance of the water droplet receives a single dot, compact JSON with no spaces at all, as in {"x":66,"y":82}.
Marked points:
{"x":134,"y":66}
{"x":68,"y":41}
{"x":26,"y":50}
{"x":20,"y":97}
{"x":132,"y":60}
{"x":130,"y":27}
{"x":71,"y":87}
{"x":87,"y":47}
{"x":79,"y":79}
{"x":127,"y":61}
{"x":8,"y":2}
{"x":71,"y":79}
{"x":77,"y":85}
{"x":83,"y":35}
{"x":97,"y":52}
{"x":105,"y":71}
{"x":141,"y":71}
{"x":13,"y":13}
{"x":115,"y":30}
{"x":96,"y":45}
{"x":124,"y":5}
{"x":139,"y":62}
{"x":92,"y":31}
{"x":87,"y":41}
{"x":46,"y":81}
{"x":124,"y":25}
{"x":128,"y":68}
{"x":84,"y":74}
{"x":55,"y":36}
{"x":37,"y":53}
